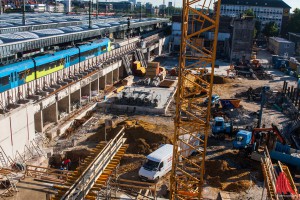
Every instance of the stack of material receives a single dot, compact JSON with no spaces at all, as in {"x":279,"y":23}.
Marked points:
{"x":137,"y":69}
{"x":162,"y":73}
{"x":152,"y":69}
{"x":128,"y":80}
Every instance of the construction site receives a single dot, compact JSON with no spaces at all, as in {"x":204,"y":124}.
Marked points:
{"x":142,"y":122}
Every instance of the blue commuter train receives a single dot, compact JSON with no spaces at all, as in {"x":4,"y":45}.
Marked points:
{"x":16,"y":74}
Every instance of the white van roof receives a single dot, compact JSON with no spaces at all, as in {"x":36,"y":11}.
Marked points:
{"x":161,"y":153}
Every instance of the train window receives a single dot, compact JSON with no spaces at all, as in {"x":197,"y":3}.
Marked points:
{"x":89,"y":53}
{"x":103,"y":48}
{"x":4,"y":80}
{"x":22,"y":75}
{"x":74,"y":57}
{"x":25,"y":73}
{"x":51,"y":65}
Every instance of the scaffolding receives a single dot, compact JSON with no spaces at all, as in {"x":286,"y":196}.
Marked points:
{"x":192,"y":120}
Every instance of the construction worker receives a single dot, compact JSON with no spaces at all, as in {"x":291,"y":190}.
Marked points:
{"x":67,"y":163}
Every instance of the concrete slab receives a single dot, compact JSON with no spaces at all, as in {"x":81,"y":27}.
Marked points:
{"x":163,"y":95}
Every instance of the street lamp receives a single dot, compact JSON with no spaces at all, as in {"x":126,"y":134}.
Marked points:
{"x":90,"y":9}
{"x":23,"y":13}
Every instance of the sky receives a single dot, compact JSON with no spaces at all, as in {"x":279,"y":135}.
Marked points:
{"x":293,"y":3}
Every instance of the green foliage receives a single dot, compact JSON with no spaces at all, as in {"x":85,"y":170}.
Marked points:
{"x":271,"y":29}
{"x":248,"y":13}
{"x":257,"y":29}
{"x":294,"y":22}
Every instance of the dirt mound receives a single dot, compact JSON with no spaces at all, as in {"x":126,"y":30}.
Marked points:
{"x":238,"y":186}
{"x":220,"y":175}
{"x":217,"y":79}
{"x":241,"y":116}
{"x":216,"y":167}
{"x":55,"y":160}
{"x":214,"y":181}
{"x":245,"y":93}
{"x":130,"y":164}
{"x":139,"y":135}
{"x":75,"y":156}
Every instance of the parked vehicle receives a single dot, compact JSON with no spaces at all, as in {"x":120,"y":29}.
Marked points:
{"x":242,"y":139}
{"x":275,"y":142}
{"x":221,"y":127}
{"x":158,"y":163}
{"x":214,"y":100}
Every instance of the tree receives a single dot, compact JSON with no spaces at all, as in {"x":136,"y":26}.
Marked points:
{"x":270,"y":29}
{"x":294,"y":22}
{"x":249,"y":13}
{"x":257,"y":29}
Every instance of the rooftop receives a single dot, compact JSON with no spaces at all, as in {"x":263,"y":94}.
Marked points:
{"x":261,"y":3}
{"x":282,"y":40}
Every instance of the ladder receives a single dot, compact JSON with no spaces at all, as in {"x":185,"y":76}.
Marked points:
{"x":36,"y":147}
{"x":140,"y":56}
{"x":4,"y":159}
{"x":126,"y":63}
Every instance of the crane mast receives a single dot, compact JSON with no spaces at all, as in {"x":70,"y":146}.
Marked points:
{"x":192,"y":119}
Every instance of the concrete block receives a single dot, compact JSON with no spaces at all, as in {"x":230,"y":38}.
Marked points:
{"x":51,"y":135}
{"x":34,"y":97}
{"x":68,"y":80}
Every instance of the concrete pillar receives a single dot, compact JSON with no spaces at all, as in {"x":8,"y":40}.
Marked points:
{"x":109,"y":78}
{"x":95,"y":87}
{"x":121,"y":71}
{"x":116,"y":75}
{"x":64,"y":105}
{"x":50,"y":114}
{"x":38,"y":121}
{"x":102,"y":82}
{"x":75,"y":99}
{"x":148,"y":55}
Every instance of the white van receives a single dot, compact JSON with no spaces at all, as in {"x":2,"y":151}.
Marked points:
{"x":158,"y":163}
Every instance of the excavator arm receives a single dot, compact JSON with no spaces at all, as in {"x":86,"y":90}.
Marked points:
{"x":274,"y":128}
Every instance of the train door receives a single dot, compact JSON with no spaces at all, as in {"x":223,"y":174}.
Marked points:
{"x":13,"y":80}
{"x":67,"y":62}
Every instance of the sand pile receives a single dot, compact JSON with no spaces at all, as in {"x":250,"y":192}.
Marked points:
{"x":142,"y":137}
{"x":222,"y":176}
{"x":238,"y":186}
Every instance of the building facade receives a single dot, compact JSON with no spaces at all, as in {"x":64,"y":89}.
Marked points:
{"x":295,"y":37}
{"x":281,"y":46}
{"x":242,"y":39}
{"x":265,"y":11}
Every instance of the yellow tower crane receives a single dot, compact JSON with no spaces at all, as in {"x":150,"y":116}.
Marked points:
{"x":192,"y":120}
